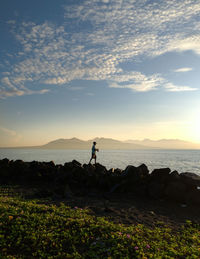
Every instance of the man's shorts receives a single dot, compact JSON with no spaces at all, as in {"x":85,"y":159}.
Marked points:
{"x":94,"y":156}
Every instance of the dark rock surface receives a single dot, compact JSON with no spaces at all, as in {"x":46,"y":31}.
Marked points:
{"x":176,"y":191}
{"x":75,"y":178}
{"x":190,"y":178}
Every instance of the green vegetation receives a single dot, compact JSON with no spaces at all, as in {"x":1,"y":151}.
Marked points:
{"x":35,"y":229}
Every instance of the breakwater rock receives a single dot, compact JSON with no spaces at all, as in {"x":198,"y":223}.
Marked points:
{"x":73,"y":177}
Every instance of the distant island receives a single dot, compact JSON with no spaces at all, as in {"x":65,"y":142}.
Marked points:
{"x":109,"y":143}
{"x":103,"y":143}
{"x":166,"y":143}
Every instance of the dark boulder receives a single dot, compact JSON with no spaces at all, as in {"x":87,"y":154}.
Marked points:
{"x":37,"y":172}
{"x":103,"y":179}
{"x":190,"y":179}
{"x":18,"y":171}
{"x":42,"y":172}
{"x":132,"y":177}
{"x":136,"y":173}
{"x":174,"y":176}
{"x":140,"y":189}
{"x":34,"y":173}
{"x":73,"y":170}
{"x":4,"y":162}
{"x":176,"y":191}
{"x":97,"y":175}
{"x":155,"y":189}
{"x":68,"y":166}
{"x":92,"y":177}
{"x":114,"y":188}
{"x":100,"y":169}
{"x":117,"y":172}
{"x":72,"y":165}
{"x":4,"y":171}
{"x":48,"y":171}
{"x":34,"y":164}
{"x":76,"y":163}
{"x":160,"y":175}
{"x":50,"y":164}
{"x":90,"y":169}
{"x":193,"y":197}
{"x":143,"y":170}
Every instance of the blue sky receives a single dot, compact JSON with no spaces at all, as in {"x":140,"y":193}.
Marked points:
{"x":109,"y":68}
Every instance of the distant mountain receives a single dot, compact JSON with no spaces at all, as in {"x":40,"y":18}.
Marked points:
{"x":102,"y":143}
{"x":109,"y":143}
{"x":166,"y":143}
{"x":72,"y":143}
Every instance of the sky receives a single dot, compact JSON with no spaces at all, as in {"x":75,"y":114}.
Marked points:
{"x":122,"y":69}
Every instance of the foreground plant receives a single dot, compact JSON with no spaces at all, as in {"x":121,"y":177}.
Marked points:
{"x":31,"y":229}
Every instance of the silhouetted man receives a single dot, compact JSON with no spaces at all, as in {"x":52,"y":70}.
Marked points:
{"x":94,"y":153}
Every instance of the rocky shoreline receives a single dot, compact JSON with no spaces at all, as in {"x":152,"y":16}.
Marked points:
{"x":130,"y":196}
{"x":75,"y":178}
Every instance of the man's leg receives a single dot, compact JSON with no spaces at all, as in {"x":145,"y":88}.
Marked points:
{"x":90,"y":160}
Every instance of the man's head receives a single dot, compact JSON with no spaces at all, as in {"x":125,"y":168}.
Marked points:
{"x":94,"y":143}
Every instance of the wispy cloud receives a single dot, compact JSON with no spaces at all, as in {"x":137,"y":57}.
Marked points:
{"x":183,"y":69}
{"x":75,"y":88}
{"x":137,"y":81}
{"x":115,"y":32}
{"x":8,"y":131}
{"x":177,"y":88}
{"x":9,"y":134}
{"x":90,"y":94}
{"x":183,"y":43}
{"x":9,"y":89}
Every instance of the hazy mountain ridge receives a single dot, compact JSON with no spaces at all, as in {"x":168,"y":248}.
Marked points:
{"x":166,"y":143}
{"x":102,"y":143}
{"x":109,"y":143}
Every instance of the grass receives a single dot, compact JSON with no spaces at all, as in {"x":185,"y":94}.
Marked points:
{"x":33,"y":229}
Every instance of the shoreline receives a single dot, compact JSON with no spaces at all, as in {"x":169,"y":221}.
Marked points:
{"x":90,"y":199}
{"x":180,"y":160}
{"x":74,"y":177}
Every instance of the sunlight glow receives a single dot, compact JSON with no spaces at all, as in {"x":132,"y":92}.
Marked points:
{"x":196,"y":129}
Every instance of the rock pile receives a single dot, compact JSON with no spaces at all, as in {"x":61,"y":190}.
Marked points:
{"x":73,"y":177}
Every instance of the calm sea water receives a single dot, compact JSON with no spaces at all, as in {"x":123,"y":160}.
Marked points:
{"x":180,"y":160}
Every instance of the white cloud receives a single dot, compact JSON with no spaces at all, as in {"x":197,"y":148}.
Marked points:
{"x":9,"y":89}
{"x":56,"y":81}
{"x":6,"y":81}
{"x":188,"y":43}
{"x":137,"y":81}
{"x":43,"y":91}
{"x":177,"y":88}
{"x":15,"y":92}
{"x":118,"y":31}
{"x":183,"y":69}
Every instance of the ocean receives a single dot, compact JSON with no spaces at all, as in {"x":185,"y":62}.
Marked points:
{"x":180,"y":160}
